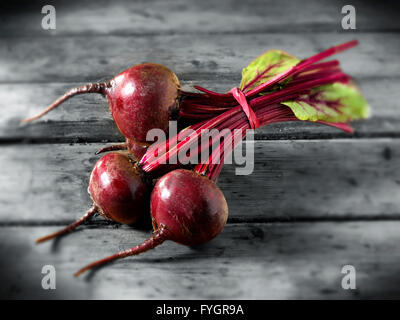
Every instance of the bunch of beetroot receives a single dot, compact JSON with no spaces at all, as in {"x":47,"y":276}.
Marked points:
{"x":186,"y":205}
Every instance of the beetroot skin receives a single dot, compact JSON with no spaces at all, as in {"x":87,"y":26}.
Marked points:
{"x":142,"y":98}
{"x":117,"y":188}
{"x":190,"y":206}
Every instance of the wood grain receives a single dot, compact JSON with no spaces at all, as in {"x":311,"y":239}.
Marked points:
{"x":247,"y":261}
{"x":35,"y":73}
{"x":204,"y":57}
{"x":141,"y":18}
{"x":291,"y":180}
{"x":276,"y":244}
{"x":86,"y":118}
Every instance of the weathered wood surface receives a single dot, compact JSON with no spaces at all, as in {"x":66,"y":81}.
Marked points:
{"x":43,"y":185}
{"x":34,"y":75}
{"x":291,"y":180}
{"x":252,"y":261}
{"x":141,"y":18}
{"x":86,"y":118}
{"x":205,"y":57}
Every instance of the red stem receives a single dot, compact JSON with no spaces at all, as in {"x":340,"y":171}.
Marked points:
{"x":71,"y":227}
{"x":270,"y":107}
{"x":307,"y":75}
{"x":155,"y":240}
{"x":301,"y":66}
{"x":215,"y":169}
{"x":322,"y":65}
{"x":87,"y":88}
{"x":114,"y":147}
{"x":146,"y":161}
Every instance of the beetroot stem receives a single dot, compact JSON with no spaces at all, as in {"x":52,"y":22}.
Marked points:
{"x":114,"y":147}
{"x":71,"y":227}
{"x":307,"y":74}
{"x":155,"y":240}
{"x":87,"y":88}
{"x":151,"y":162}
{"x":302,"y":66}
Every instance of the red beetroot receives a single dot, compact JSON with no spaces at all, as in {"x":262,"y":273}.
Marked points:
{"x":186,"y":207}
{"x":146,"y":96}
{"x":117,"y":190}
{"x":140,"y":98}
{"x":191,"y":206}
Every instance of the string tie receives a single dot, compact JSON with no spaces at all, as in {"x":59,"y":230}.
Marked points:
{"x":241,"y":99}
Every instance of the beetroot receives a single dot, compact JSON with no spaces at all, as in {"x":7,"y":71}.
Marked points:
{"x":192,"y":200}
{"x":186,"y":207}
{"x":140,"y":98}
{"x":117,"y":188}
{"x":145,"y":95}
{"x":118,"y":192}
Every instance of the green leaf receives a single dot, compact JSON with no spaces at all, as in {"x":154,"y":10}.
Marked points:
{"x":334,"y":103}
{"x":265,"y":67}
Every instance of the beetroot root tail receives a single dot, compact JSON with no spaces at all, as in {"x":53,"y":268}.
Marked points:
{"x":155,"y":240}
{"x":88,"y":88}
{"x":114,"y":147}
{"x":71,"y":227}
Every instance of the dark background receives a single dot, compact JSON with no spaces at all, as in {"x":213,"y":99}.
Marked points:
{"x":318,"y":198}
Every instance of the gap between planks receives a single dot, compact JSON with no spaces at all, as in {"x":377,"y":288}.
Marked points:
{"x":327,"y":29}
{"x":99,"y":223}
{"x":257,"y":137}
{"x":317,"y":178}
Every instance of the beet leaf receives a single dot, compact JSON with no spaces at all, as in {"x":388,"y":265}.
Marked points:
{"x":336,"y":102}
{"x":265,"y":67}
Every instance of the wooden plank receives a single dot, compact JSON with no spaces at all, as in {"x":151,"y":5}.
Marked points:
{"x":147,"y":17}
{"x":202,"y":57}
{"x":86,"y":118}
{"x":332,"y":179}
{"x":247,"y":261}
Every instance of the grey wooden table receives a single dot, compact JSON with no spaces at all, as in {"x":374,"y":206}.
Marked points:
{"x":318,"y":199}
